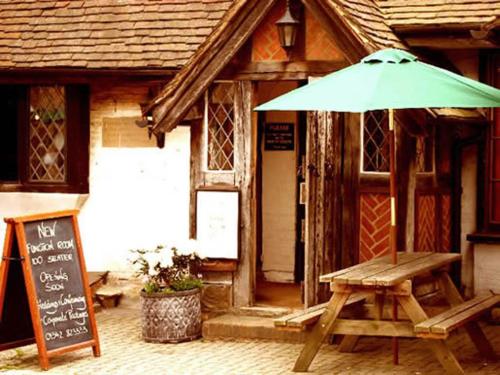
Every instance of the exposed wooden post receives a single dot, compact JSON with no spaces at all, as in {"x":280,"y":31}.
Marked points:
{"x":245,"y":170}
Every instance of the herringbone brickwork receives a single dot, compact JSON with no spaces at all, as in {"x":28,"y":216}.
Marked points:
{"x":319,"y":44}
{"x":265,"y":42}
{"x":375,"y":220}
{"x":426,"y":222}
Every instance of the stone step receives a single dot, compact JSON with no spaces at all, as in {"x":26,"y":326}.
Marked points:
{"x":231,"y":326}
{"x":262,"y":311}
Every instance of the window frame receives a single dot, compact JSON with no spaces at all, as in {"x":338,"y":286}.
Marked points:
{"x":78,"y":137}
{"x":362,"y":152}
{"x":205,"y":150}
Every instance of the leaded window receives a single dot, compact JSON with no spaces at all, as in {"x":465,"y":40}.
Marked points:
{"x":47,"y":134}
{"x":219,"y":119}
{"x":375,"y":152}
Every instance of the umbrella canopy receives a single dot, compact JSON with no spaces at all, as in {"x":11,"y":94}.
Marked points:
{"x":387,"y":79}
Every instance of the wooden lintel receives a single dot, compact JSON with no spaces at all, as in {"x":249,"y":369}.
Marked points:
{"x":449,"y":42}
{"x":283,"y":70}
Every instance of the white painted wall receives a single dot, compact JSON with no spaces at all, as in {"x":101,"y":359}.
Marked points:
{"x":486,"y":275}
{"x":139,"y":197}
{"x":468,"y":215}
{"x":279,"y":195}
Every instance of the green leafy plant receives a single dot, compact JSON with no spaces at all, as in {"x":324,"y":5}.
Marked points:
{"x":167,"y":270}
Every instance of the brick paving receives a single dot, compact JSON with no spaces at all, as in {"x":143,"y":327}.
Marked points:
{"x":123,"y":352}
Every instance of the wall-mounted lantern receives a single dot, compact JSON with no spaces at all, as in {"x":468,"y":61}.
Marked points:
{"x":287,"y":29}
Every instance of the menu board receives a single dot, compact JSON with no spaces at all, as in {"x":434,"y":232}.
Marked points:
{"x":44,"y":291}
{"x":58,"y":283}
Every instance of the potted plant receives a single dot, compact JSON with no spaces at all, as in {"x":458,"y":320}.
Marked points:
{"x":170,"y":298}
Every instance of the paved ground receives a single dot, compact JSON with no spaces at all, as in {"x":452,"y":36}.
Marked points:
{"x":125,"y":353}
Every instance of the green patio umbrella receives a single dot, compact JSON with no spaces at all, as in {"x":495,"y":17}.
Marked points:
{"x":387,"y":79}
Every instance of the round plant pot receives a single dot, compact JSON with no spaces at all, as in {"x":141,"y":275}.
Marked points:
{"x":171,"y":317}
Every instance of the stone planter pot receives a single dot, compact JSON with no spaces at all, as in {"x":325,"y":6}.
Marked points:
{"x":171,"y":318}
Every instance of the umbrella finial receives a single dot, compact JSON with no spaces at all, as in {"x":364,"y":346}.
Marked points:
{"x":390,"y":55}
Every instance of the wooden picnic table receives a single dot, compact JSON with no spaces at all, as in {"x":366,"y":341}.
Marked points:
{"x":382,"y":278}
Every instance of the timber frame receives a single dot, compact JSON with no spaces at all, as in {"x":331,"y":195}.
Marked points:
{"x":226,"y":55}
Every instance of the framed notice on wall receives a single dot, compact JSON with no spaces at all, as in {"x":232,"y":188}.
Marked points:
{"x":279,"y":137}
{"x":217,"y":223}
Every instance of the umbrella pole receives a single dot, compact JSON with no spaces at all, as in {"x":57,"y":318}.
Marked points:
{"x":393,"y":231}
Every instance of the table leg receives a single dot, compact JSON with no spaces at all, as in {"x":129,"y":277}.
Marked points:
{"x":321,"y":330}
{"x":473,"y":329}
{"x":441,"y":351}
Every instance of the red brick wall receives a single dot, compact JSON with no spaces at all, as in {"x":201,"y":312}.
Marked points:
{"x":375,"y":221}
{"x":319,"y":44}
{"x":265,"y":41}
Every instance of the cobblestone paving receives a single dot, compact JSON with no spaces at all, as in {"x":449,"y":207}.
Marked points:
{"x":123,"y":352}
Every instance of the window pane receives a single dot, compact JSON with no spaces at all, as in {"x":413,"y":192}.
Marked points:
{"x":47,"y":134}
{"x":9,"y":131}
{"x":375,"y":142}
{"x":220,"y":119}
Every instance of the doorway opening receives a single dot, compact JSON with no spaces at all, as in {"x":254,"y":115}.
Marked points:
{"x":280,"y":202}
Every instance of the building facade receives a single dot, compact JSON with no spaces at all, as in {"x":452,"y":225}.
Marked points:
{"x":312,"y":188}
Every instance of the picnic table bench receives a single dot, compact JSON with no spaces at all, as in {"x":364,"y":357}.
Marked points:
{"x":382,"y":278}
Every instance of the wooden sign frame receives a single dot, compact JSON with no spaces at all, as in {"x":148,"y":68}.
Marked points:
{"x":201,"y":228}
{"x":16,"y":230}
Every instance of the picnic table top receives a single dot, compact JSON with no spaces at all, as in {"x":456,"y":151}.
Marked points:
{"x":381,"y":272}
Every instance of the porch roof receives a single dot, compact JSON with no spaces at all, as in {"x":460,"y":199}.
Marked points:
{"x":111,"y":34}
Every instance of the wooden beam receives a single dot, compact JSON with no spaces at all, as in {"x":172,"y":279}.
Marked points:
{"x":282,"y":70}
{"x":193,"y":80}
{"x":373,"y":328}
{"x":449,"y":42}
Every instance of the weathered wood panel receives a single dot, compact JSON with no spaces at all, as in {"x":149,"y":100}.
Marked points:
{"x":323,"y":229}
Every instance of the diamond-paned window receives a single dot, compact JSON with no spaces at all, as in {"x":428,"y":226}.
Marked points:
{"x":220,"y":126}
{"x":375,"y":141}
{"x":47,"y":134}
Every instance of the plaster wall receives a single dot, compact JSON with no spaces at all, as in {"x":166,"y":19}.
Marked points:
{"x":486,"y":275}
{"x":279,"y":194}
{"x":138,"y":196}
{"x":468,"y":216}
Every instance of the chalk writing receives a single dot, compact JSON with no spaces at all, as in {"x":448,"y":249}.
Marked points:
{"x":58,"y":282}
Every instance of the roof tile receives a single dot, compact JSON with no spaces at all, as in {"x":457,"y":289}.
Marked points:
{"x":104,"y":34}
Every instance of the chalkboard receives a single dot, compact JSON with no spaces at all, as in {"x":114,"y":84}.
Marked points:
{"x":56,"y":295}
{"x":55,"y":265}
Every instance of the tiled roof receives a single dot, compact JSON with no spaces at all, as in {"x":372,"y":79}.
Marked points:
{"x":367,"y":21}
{"x":401,"y":13}
{"x":104,"y":34}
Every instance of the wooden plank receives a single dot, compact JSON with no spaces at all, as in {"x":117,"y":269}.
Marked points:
{"x":473,"y":329}
{"x":438,"y":347}
{"x":282,"y":321}
{"x":402,"y":257}
{"x":373,"y":328}
{"x":320,"y":331}
{"x":448,"y":325}
{"x":367,"y":270}
{"x":309,"y":317}
{"x":305,"y":317}
{"x":427,"y":326}
{"x":411,"y":269}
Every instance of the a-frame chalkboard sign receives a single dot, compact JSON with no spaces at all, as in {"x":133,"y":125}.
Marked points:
{"x":44,"y":291}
